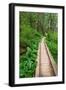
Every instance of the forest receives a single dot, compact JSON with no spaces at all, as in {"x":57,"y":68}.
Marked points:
{"x":33,"y":26}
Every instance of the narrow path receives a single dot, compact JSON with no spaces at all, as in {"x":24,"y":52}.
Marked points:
{"x":44,"y":67}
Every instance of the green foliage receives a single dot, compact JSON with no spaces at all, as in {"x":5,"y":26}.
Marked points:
{"x":52,"y":43}
{"x":28,"y":61}
{"x":31,"y":38}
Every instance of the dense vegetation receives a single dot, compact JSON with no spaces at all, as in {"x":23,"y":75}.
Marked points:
{"x":33,"y":26}
{"x":51,"y":40}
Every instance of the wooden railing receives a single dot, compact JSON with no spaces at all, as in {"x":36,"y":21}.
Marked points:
{"x":54,"y":65}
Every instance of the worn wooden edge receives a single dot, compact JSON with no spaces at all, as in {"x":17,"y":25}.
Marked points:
{"x":38,"y":63}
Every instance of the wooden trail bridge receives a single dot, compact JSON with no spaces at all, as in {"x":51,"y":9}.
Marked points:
{"x":46,"y":65}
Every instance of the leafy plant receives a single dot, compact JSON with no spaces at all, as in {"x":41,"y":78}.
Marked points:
{"x":51,"y":40}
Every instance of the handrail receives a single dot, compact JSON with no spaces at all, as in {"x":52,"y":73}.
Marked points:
{"x":54,"y":65}
{"x":38,"y":63}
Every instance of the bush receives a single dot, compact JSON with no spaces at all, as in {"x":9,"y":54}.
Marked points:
{"x":52,"y":42}
{"x":28,"y":61}
{"x":31,"y":38}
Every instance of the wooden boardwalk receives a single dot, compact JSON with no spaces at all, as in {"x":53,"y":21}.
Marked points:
{"x":44,"y":66}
